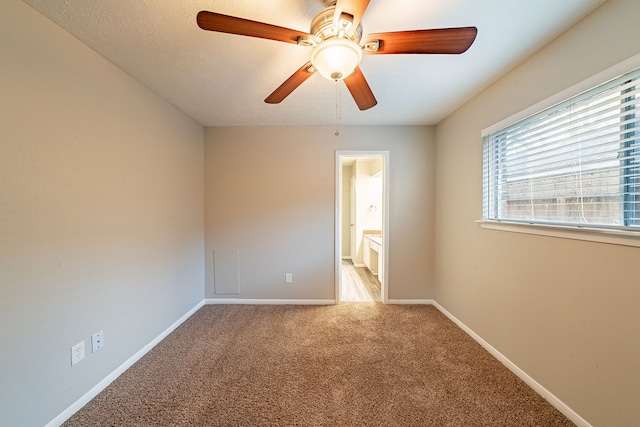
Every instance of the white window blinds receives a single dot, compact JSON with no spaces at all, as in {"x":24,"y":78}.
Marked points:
{"x":574,"y":164}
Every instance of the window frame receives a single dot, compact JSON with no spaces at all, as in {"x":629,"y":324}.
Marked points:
{"x":603,"y":234}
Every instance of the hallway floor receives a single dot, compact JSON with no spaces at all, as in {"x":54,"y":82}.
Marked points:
{"x":358,"y":284}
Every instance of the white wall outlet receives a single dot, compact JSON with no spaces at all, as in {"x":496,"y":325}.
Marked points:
{"x":288,"y":278}
{"x":97,"y":341}
{"x":77,"y":353}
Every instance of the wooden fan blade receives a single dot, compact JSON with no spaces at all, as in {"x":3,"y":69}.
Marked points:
{"x":354,"y":8}
{"x":232,"y":25}
{"x":360,"y":90}
{"x":290,"y":84}
{"x":437,"y":41}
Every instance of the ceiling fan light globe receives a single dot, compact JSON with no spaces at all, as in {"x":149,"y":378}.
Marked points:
{"x":336,"y":58}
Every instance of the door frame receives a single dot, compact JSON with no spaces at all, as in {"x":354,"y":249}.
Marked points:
{"x":340,"y":154}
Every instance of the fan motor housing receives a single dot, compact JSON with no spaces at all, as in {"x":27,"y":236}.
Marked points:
{"x":322,"y":26}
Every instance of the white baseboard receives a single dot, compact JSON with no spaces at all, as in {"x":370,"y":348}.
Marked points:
{"x":410,"y":301}
{"x":77,"y":405}
{"x":222,"y":301}
{"x":550,"y":397}
{"x":214,"y":301}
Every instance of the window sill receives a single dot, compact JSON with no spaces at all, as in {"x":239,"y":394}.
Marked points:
{"x":611,"y":237}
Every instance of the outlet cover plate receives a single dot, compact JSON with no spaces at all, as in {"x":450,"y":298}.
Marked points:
{"x":77,"y":353}
{"x":97,"y":341}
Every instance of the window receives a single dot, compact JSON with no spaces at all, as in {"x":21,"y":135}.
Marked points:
{"x":575,"y":164}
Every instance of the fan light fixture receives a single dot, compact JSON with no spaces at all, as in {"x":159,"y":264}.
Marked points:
{"x":336,"y":58}
{"x":336,"y":38}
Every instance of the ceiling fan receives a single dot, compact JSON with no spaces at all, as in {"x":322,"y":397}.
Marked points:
{"x":338,"y":45}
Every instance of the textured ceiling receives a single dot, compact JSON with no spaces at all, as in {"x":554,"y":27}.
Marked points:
{"x":222,"y":80}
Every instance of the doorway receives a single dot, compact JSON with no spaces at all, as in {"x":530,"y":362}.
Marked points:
{"x":361,"y":225}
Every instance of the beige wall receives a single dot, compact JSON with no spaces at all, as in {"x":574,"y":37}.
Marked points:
{"x":101,"y":216}
{"x":270,"y":192}
{"x":566,"y":312}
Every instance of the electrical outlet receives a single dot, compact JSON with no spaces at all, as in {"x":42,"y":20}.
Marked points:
{"x":288,"y":278}
{"x":77,"y":353}
{"x":97,"y":341}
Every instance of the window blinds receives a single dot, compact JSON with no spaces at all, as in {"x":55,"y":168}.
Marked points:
{"x":574,"y":164}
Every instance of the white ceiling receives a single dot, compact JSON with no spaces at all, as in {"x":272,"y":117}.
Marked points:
{"x":222,"y":79}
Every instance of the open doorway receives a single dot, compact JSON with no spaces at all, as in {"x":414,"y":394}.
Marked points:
{"x":361,"y":226}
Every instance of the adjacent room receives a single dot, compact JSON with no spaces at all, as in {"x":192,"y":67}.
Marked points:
{"x":162,"y":170}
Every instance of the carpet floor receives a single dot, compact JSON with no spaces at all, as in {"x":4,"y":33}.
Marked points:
{"x":349,"y":364}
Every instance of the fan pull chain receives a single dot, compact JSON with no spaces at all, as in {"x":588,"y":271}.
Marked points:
{"x":338,"y":108}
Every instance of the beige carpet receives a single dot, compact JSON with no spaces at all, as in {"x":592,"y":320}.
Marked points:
{"x":349,"y":364}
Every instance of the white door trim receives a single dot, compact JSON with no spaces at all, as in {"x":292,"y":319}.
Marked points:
{"x":338,"y":214}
